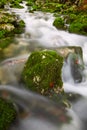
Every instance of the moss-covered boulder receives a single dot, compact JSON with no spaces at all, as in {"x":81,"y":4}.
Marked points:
{"x":59,"y":23}
{"x":7,"y":114}
{"x":42,"y":72}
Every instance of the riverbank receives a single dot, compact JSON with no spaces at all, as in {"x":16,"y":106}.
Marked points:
{"x":70,"y":15}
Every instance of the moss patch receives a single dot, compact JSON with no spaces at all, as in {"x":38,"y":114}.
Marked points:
{"x":4,"y":42}
{"x":16,"y":4}
{"x":9,"y":26}
{"x":42,"y":72}
{"x":7,"y":114}
{"x":59,"y":23}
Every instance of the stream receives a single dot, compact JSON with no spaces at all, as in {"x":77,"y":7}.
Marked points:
{"x":35,"y":112}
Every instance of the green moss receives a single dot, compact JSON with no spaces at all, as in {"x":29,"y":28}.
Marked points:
{"x":16,"y":4}
{"x":79,"y":25}
{"x":5,"y":33}
{"x":30,"y":3}
{"x":1,"y":54}
{"x":6,"y":17}
{"x":45,"y":6}
{"x":52,"y":7}
{"x":2,"y":33}
{"x":77,"y":22}
{"x":19,"y":27}
{"x":4,"y":42}
{"x":7,"y":114}
{"x":2,"y":3}
{"x":10,"y":25}
{"x":71,"y":18}
{"x":21,"y":23}
{"x":78,"y":28}
{"x":59,"y":23}
{"x":42,"y":72}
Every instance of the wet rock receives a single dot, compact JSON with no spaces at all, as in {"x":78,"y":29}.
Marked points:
{"x":73,"y":64}
{"x":73,"y":97}
{"x":6,"y":17}
{"x":42,"y":72}
{"x":10,"y":25}
{"x":76,"y":67}
{"x":59,"y":23}
{"x":13,"y":68}
{"x":65,"y":51}
{"x":16,"y":4}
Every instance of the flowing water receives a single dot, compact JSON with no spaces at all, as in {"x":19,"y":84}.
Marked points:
{"x":34,"y":111}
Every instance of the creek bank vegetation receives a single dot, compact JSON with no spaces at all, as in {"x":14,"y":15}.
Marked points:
{"x":71,"y":15}
{"x":10,"y":25}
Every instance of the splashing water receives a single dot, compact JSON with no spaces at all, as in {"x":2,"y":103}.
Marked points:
{"x":34,"y":111}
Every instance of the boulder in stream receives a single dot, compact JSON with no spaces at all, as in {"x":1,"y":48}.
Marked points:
{"x":76,"y":67}
{"x":42,"y":72}
{"x":73,"y":67}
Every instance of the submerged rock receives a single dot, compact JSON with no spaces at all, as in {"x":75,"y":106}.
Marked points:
{"x":7,"y":114}
{"x":13,"y":68}
{"x":42,"y":72}
{"x":73,"y":64}
{"x":65,"y":51}
{"x":76,"y":67}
